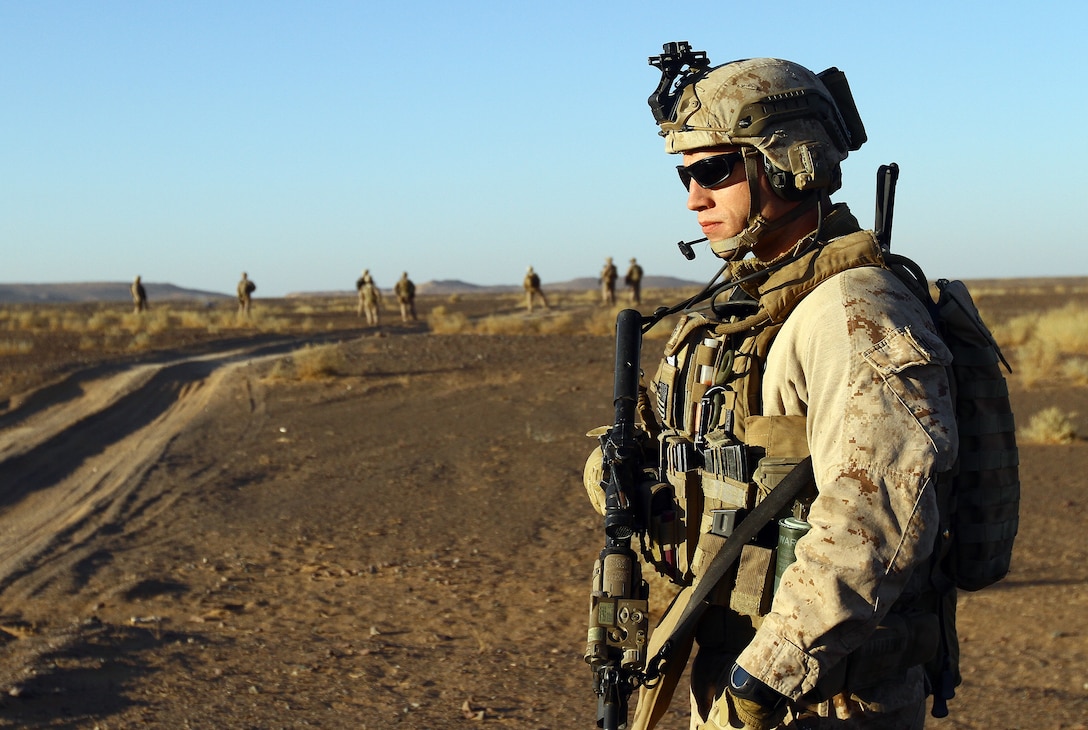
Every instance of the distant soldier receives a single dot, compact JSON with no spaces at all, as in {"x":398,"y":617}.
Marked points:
{"x":406,"y":297}
{"x":633,"y":279}
{"x":245,"y":293}
{"x":139,"y":296}
{"x":370,"y":298}
{"x":533,"y":290}
{"x":608,"y":282}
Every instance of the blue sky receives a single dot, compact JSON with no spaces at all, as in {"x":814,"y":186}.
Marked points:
{"x":304,"y":141}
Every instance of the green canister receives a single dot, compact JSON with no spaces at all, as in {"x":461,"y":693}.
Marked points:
{"x":790,"y":530}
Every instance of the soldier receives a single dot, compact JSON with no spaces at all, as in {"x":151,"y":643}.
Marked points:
{"x":608,"y":282}
{"x":139,"y":296}
{"x":370,"y":297}
{"x":531,"y":284}
{"x":245,"y":294}
{"x":813,"y":348}
{"x":633,"y":279}
{"x":406,"y":297}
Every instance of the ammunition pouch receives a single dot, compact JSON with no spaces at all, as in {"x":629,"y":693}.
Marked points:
{"x":666,"y":534}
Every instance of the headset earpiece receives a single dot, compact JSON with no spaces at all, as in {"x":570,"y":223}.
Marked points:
{"x":781,"y":182}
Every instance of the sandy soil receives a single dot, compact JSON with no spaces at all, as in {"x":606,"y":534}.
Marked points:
{"x":186,"y":542}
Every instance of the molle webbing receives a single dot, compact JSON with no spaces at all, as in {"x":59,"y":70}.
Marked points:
{"x":986,"y":486}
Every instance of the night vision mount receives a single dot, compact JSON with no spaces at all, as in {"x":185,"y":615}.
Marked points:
{"x":678,"y":64}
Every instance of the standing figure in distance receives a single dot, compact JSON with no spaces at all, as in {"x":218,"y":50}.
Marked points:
{"x":406,"y":297}
{"x":139,"y":296}
{"x":370,"y":298}
{"x":608,"y":282}
{"x":531,"y":284}
{"x":633,"y":279}
{"x":814,"y":348}
{"x":245,"y":294}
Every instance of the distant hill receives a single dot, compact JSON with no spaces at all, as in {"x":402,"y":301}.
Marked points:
{"x":99,"y":291}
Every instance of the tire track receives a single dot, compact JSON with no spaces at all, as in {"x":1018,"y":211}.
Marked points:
{"x":73,"y":470}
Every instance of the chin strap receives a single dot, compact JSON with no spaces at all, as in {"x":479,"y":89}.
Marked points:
{"x":758,"y":226}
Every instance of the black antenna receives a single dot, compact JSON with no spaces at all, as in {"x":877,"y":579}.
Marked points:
{"x":886,"y":178}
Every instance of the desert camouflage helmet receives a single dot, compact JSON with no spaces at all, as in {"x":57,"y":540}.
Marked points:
{"x":804,"y":123}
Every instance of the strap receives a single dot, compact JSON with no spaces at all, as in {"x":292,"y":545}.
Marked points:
{"x":779,"y":497}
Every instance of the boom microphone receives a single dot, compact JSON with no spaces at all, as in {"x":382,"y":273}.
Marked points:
{"x":686,"y":249}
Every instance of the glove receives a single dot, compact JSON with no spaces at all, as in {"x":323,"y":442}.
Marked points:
{"x":752,"y":702}
{"x":754,"y":715}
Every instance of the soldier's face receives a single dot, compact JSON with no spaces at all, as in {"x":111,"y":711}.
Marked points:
{"x":723,"y":209}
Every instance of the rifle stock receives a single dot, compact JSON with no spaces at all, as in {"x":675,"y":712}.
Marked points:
{"x":618,"y":614}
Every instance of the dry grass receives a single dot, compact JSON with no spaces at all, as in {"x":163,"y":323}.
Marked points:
{"x":554,"y":321}
{"x":96,"y":322}
{"x":1048,"y":345}
{"x":16,"y":346}
{"x":1050,"y":426}
{"x":312,"y":362}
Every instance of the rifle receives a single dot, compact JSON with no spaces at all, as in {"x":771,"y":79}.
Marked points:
{"x":618,"y":604}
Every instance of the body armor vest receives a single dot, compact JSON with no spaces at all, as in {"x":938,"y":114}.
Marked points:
{"x":719,"y":455}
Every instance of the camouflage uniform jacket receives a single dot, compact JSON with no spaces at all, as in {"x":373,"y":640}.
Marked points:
{"x":841,"y":346}
{"x":860,"y":360}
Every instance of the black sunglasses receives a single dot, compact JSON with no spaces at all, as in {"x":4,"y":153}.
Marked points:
{"x":709,"y":172}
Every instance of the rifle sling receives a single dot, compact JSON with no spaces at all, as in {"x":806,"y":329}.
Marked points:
{"x":800,"y":476}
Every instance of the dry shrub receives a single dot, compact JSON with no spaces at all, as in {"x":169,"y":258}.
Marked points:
{"x":211,"y":320}
{"x":503,"y":325}
{"x":1050,"y":426}
{"x":589,"y":296}
{"x":26,"y":320}
{"x":312,"y":362}
{"x":601,"y":322}
{"x":1076,"y":370}
{"x":1016,"y":331}
{"x":1045,"y":342}
{"x":443,"y":322}
{"x":1065,"y":327}
{"x":282,"y":369}
{"x":190,"y":320}
{"x":16,"y":347}
{"x":264,"y":319}
{"x":97,"y":322}
{"x":564,"y":323}
{"x":1037,"y":362}
{"x":140,"y":341}
{"x":151,"y":322}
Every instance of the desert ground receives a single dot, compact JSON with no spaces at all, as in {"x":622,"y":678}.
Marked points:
{"x":202,"y":528}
